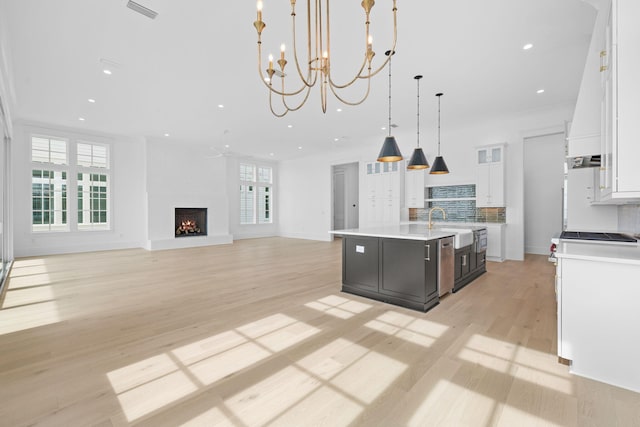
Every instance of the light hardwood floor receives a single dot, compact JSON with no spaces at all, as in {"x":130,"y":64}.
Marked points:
{"x":258,"y":333}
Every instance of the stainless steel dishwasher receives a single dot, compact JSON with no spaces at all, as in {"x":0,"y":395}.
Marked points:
{"x":446,"y":266}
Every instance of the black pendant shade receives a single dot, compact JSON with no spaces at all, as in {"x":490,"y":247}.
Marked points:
{"x":418,"y":160}
{"x":390,"y":151}
{"x":439,"y":167}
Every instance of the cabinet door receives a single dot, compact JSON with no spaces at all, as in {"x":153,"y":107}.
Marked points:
{"x":403,"y":269}
{"x":414,"y":188}
{"x":483,"y":186}
{"x":626,"y":83}
{"x":496,"y":184}
{"x":360,"y":262}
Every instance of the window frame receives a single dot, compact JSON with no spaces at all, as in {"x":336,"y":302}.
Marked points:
{"x":259,"y":185}
{"x":72,"y":168}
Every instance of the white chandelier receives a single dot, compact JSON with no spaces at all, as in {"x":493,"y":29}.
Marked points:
{"x":318,"y":60}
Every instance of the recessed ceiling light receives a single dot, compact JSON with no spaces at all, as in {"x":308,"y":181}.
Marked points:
{"x":166,"y":134}
{"x":336,"y":139}
{"x":107,"y":71}
{"x":220,"y":106}
{"x":271,"y":154}
{"x":81,"y":119}
{"x":527,"y":46}
{"x":383,"y":128}
{"x":299,"y":148}
{"x":226,"y":146}
{"x":289,"y":126}
{"x":91,"y":100}
{"x":540,"y":91}
{"x":339,"y":110}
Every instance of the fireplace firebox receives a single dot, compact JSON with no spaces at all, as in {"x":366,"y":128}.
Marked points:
{"x":190,"y":222}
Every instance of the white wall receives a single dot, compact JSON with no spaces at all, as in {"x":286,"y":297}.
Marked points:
{"x":184,"y":176}
{"x":305,"y":203}
{"x":244,"y":231}
{"x":127,"y":219}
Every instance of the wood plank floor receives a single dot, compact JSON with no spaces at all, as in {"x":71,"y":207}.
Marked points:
{"x":258,"y":333}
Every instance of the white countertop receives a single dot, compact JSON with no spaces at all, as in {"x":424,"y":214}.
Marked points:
{"x":409,"y":232}
{"x":599,"y":251}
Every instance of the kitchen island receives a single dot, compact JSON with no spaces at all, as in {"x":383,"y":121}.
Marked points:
{"x":407,"y":265}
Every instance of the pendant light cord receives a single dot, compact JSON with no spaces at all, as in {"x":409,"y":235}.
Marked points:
{"x":438,"y":95}
{"x":418,"y":109}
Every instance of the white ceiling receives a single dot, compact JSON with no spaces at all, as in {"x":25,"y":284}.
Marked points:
{"x":174,"y":71}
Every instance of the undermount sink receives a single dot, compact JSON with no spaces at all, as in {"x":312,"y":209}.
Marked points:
{"x":462,"y":238}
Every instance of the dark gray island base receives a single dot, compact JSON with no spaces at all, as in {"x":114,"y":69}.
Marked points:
{"x":398,"y":271}
{"x":410,"y":265}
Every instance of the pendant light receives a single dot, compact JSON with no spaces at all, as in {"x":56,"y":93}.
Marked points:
{"x":418,"y":159}
{"x":439,"y":166}
{"x":390,"y":151}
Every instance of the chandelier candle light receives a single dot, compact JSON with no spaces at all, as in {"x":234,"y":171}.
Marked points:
{"x":318,"y":61}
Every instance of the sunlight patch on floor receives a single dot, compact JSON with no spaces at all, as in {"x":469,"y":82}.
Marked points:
{"x":338,"y":306}
{"x":17,"y":297}
{"x":448,"y":394}
{"x":17,"y":282}
{"x":29,"y":316}
{"x":516,"y":361}
{"x":204,"y":362}
{"x":412,"y":329}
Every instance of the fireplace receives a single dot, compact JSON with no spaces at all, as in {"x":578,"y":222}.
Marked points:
{"x":190,"y":222}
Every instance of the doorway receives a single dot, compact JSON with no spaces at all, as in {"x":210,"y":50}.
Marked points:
{"x":544,"y":160}
{"x":345,"y":185}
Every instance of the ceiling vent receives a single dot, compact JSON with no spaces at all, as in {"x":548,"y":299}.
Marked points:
{"x":142,"y":10}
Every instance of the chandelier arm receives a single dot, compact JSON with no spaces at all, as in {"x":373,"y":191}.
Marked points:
{"x":358,"y":76}
{"x":393,"y":48}
{"x":299,"y":105}
{"x":273,"y":111}
{"x":269,"y":86}
{"x":335,"y":93}
{"x":308,"y":80}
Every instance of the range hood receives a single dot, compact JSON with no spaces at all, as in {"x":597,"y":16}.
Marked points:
{"x":577,"y":162}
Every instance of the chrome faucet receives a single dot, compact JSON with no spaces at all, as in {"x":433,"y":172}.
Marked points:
{"x":444,"y":215}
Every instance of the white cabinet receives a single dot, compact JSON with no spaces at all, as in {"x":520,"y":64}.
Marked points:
{"x":414,"y":188}
{"x":620,"y":108}
{"x":598,"y":318}
{"x":490,"y":176}
{"x":495,"y":242}
{"x":382,"y":194}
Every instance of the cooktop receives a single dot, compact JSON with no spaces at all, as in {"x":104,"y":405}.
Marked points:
{"x":601,"y":237}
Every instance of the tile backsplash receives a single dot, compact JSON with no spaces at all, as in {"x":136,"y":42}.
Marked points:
{"x":460,"y":204}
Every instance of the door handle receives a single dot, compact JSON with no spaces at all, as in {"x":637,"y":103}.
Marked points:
{"x":464,"y":259}
{"x":428,"y":258}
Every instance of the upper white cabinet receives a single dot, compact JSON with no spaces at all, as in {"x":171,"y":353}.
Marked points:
{"x":490,"y":176}
{"x":620,"y":104}
{"x":414,"y":188}
{"x":382,"y":194}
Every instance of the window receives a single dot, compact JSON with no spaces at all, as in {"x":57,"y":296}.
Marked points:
{"x":53,"y":175}
{"x":256,"y":194}
{"x":92,"y":186}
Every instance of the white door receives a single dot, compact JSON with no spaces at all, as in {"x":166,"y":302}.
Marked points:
{"x":544,"y":158}
{"x":338,"y":200}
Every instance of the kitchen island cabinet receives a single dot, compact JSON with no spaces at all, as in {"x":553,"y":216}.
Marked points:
{"x":398,"y":265}
{"x":399,"y":271}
